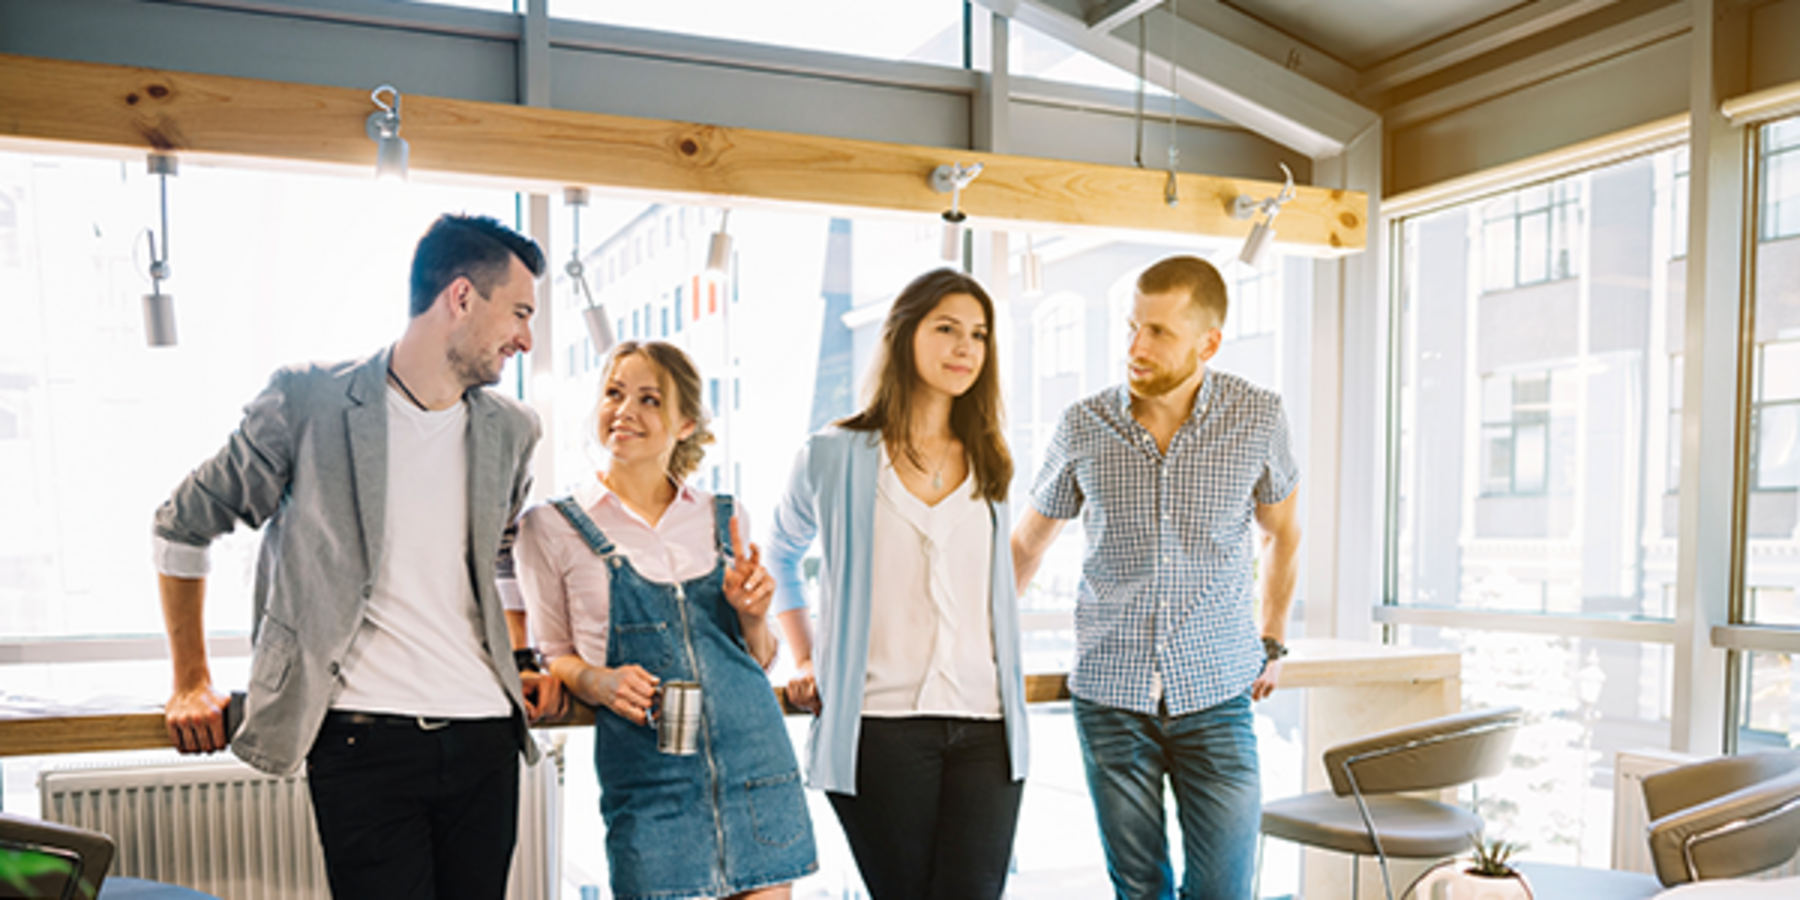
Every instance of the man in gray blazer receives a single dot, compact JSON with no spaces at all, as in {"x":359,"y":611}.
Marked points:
{"x":382,"y":653}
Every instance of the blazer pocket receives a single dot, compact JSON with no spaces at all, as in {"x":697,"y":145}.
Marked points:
{"x":276,"y":647}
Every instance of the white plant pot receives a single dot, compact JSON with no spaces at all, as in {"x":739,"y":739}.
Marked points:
{"x":1452,"y":881}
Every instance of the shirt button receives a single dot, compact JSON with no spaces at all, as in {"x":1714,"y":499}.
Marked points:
{"x":367,"y":591}
{"x":333,"y":668}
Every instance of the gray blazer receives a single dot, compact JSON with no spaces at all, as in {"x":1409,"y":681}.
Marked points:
{"x":308,"y":465}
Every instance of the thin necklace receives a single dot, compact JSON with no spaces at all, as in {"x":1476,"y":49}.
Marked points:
{"x":404,"y":389}
{"x":937,"y":475}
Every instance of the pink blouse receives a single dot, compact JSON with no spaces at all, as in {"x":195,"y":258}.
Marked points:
{"x":568,"y":590}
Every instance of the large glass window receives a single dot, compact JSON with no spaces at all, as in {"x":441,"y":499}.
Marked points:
{"x":1774,"y":509}
{"x":96,"y":427}
{"x":1526,"y":417}
{"x":1768,"y":702}
{"x":1538,"y":405}
{"x":918,"y":30}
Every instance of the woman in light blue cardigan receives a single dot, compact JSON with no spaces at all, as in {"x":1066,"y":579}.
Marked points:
{"x":920,"y":736}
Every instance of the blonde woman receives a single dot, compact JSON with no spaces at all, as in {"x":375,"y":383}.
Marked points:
{"x":637,"y":580}
{"x":921,"y":731}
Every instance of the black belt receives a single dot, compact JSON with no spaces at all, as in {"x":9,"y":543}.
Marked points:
{"x":418,"y":723}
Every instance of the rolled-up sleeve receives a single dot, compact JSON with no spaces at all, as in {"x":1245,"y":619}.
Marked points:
{"x":791,"y":534}
{"x":545,"y":590}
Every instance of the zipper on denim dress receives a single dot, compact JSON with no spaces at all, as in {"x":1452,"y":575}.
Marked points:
{"x":712,"y":766}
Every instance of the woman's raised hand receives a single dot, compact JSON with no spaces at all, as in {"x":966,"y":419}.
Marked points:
{"x":748,"y":587}
{"x":626,"y":690}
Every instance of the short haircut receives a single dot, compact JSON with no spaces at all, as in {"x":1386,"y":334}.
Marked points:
{"x":1196,"y":276}
{"x":478,"y":248}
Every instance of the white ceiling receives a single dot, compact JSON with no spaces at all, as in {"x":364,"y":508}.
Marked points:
{"x":1364,"y":33}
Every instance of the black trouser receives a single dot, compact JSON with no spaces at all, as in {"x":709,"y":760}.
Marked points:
{"x":934,"y":810}
{"x":415,"y":810}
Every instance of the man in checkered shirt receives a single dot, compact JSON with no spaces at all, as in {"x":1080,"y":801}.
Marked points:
{"x":1168,"y":472}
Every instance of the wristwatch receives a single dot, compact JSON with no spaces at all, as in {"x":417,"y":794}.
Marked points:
{"x":1273,"y":649}
{"x":528,"y":659}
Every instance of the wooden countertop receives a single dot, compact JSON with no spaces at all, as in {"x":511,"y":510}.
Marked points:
{"x":1312,"y":663}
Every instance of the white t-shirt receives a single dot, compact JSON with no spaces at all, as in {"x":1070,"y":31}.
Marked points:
{"x":420,"y":649}
{"x":931,"y":632}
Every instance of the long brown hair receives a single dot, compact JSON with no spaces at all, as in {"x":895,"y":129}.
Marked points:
{"x":681,"y":393}
{"x":975,"y":417}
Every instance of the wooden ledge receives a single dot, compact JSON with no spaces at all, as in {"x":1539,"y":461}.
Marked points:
{"x":1314,"y":663}
{"x":130,"y":109}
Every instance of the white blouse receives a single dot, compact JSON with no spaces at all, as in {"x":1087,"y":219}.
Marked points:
{"x":931,"y":635}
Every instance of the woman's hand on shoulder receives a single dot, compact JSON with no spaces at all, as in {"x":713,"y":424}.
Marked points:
{"x":627,"y":690}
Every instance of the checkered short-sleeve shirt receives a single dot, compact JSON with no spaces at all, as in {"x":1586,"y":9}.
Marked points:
{"x":1164,"y":610}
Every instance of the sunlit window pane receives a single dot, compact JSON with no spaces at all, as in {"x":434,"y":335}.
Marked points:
{"x":1769,"y":708}
{"x":1772,"y":516}
{"x":1536,"y":461}
{"x":917,"y":30}
{"x":1528,"y":470}
{"x":96,"y":428}
{"x":1781,"y":179}
{"x":1584,"y":702}
{"x":1778,"y":446}
{"x":1534,"y":247}
{"x":1500,"y":258}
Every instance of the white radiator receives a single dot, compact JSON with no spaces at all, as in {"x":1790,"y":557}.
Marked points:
{"x":1631,"y":844}
{"x":221,"y":827}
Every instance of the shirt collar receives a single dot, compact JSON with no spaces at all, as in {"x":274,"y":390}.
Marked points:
{"x":595,"y":492}
{"x":1202,"y":399}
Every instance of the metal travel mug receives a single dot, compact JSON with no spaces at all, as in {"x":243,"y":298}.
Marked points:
{"x":678,"y":718}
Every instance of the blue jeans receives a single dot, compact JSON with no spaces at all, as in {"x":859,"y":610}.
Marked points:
{"x":1209,"y":758}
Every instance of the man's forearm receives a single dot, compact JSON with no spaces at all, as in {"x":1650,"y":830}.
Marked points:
{"x":1280,"y":576}
{"x":184,"y":618}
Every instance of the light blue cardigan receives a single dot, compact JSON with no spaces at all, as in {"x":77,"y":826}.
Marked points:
{"x":832,"y":493}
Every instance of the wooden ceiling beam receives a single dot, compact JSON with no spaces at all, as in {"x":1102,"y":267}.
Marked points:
{"x":524,"y":148}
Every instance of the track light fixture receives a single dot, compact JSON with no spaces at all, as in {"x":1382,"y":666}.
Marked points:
{"x":718,"y":250}
{"x":383,"y":127}
{"x":159,"y":308}
{"x":1031,"y":271}
{"x":1263,"y":232}
{"x":599,"y":325}
{"x":951,"y":179}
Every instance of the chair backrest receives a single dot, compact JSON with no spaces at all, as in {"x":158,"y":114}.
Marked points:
{"x":44,"y":859}
{"x":1743,"y":816}
{"x":1436,"y":753}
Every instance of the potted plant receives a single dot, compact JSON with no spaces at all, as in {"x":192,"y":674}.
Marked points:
{"x":1486,"y":875}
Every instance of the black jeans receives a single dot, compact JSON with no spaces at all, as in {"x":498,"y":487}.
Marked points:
{"x":934,"y":810}
{"x":415,"y":812}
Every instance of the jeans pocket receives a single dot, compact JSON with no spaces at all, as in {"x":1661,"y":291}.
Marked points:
{"x":777,"y":804}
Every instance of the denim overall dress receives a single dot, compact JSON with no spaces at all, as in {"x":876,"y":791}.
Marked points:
{"x":732,"y":817}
